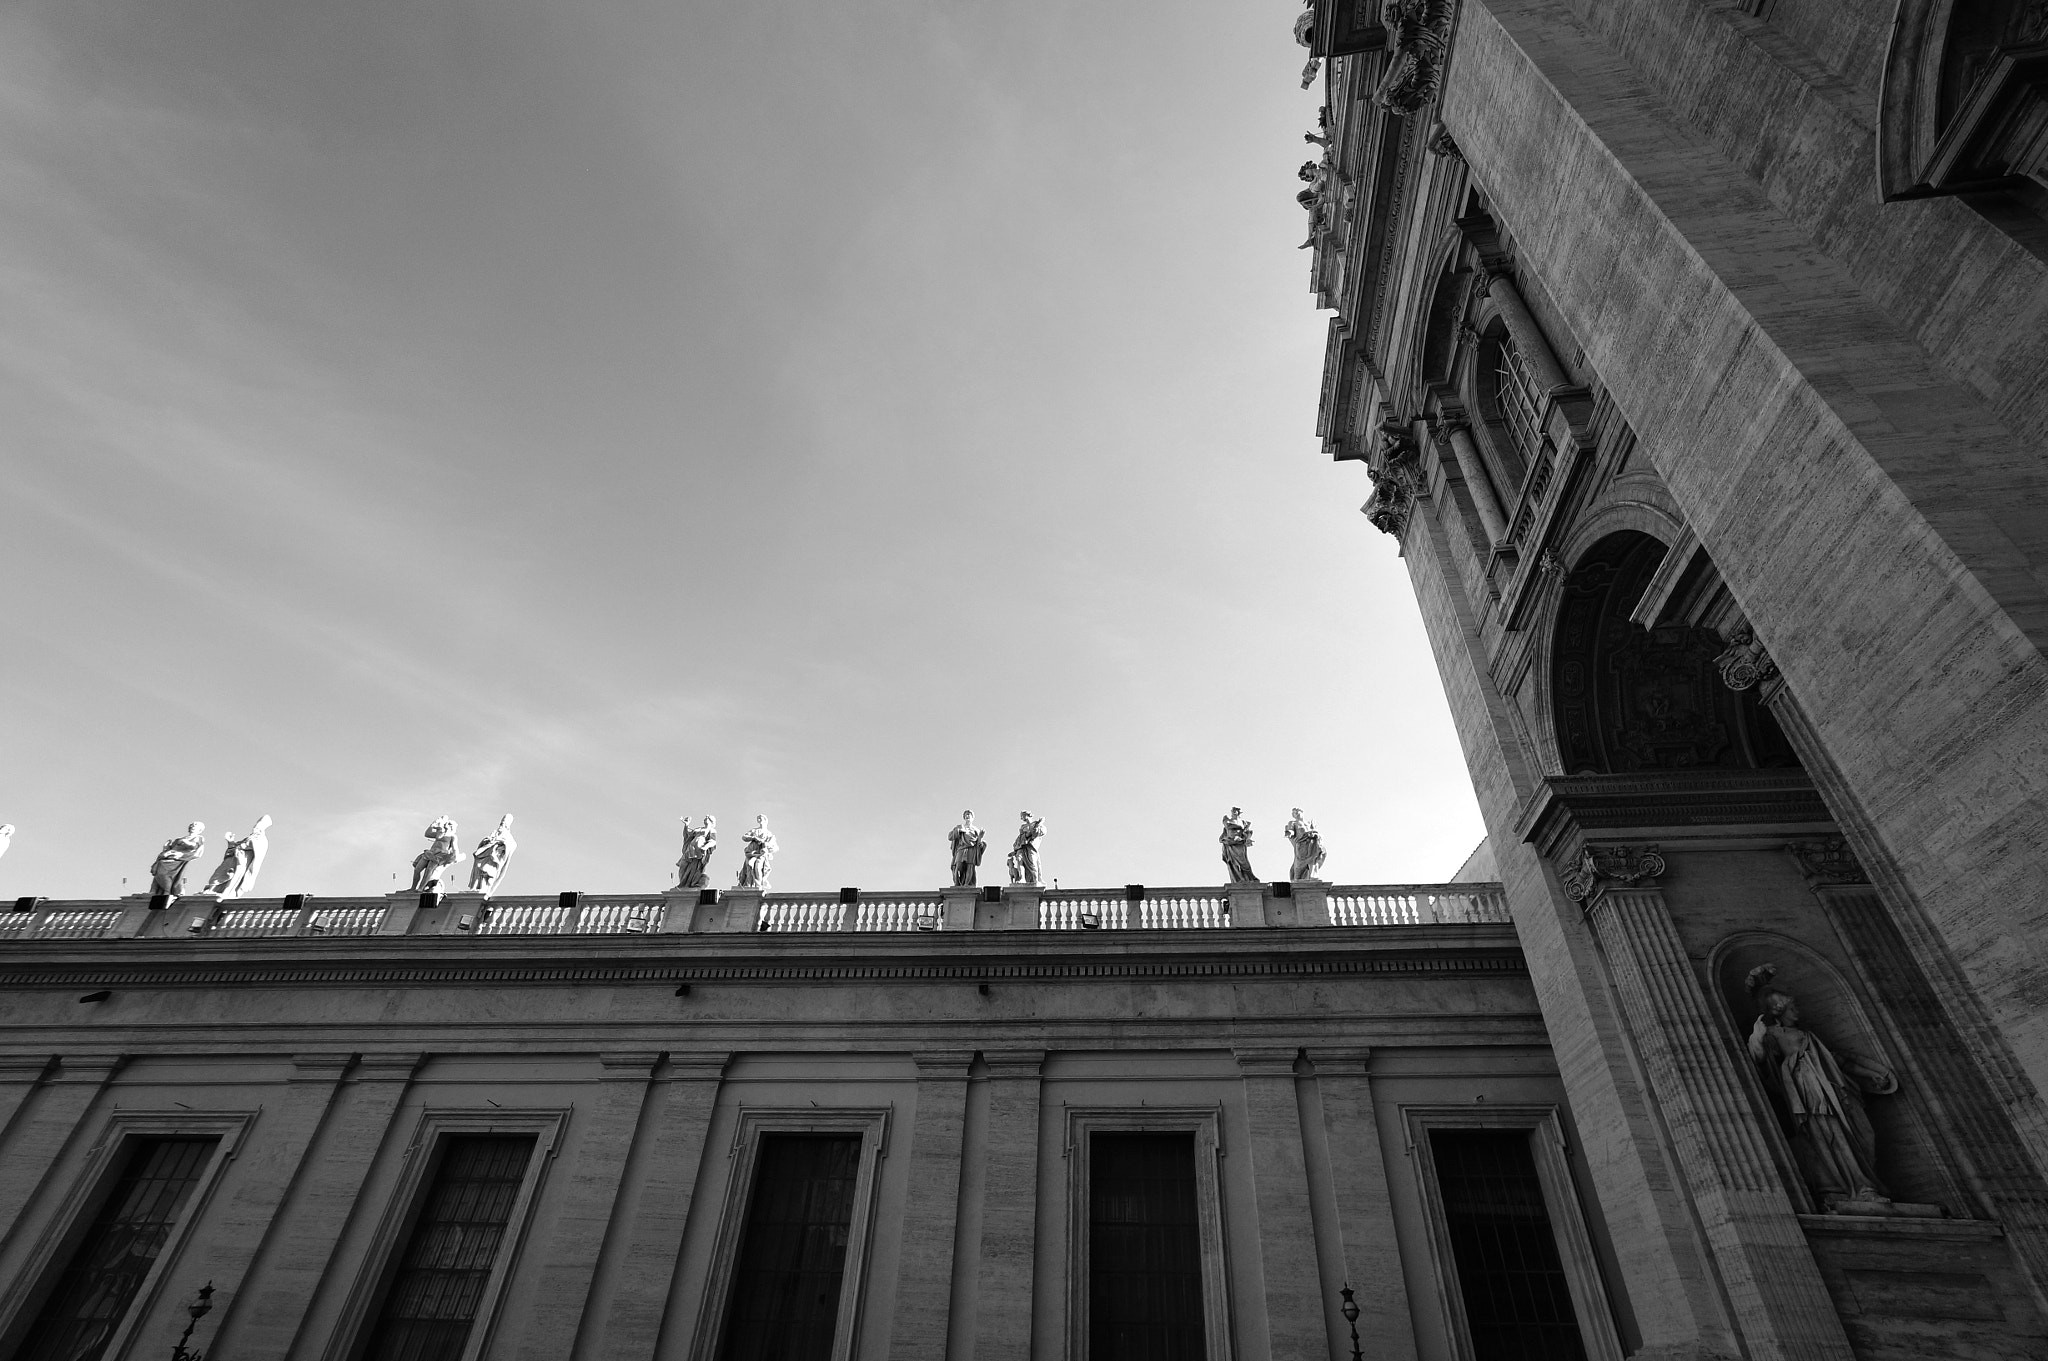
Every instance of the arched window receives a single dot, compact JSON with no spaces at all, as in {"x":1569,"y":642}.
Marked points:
{"x":1511,"y":406}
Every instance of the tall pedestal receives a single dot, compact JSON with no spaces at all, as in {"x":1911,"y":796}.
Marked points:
{"x":958,"y":912}
{"x":1017,"y":911}
{"x":1247,"y":904}
{"x":737,"y":909}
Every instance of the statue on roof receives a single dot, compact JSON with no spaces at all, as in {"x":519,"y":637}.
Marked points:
{"x":431,"y":865}
{"x":167,"y":871}
{"x":1308,"y":847}
{"x":1237,"y":847}
{"x":235,"y":876}
{"x":758,"y":856}
{"x":968,"y":842}
{"x":487,"y":862}
{"x":698,"y":844}
{"x":1023,"y":857}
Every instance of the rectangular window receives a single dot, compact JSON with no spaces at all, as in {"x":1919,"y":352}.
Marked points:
{"x":432,"y":1301}
{"x":99,"y":1283}
{"x":1521,"y":399}
{"x":1518,"y":1300}
{"x":1144,"y":1249}
{"x":792,"y":1262}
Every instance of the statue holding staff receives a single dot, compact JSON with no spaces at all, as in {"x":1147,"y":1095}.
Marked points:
{"x":1237,"y":847}
{"x":698,"y":844}
{"x":487,"y":862}
{"x":968,"y":841}
{"x":437,"y":859}
{"x":758,"y":855}
{"x":1308,"y":847}
{"x":235,"y":876}
{"x":167,"y":871}
{"x":1023,"y":857}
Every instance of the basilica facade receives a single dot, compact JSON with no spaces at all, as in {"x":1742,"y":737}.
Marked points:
{"x":1697,"y":354}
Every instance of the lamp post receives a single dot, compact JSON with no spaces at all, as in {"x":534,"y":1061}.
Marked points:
{"x":1350,"y":1312}
{"x":198,"y":1309}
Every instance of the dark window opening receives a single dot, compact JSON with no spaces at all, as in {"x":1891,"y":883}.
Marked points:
{"x":792,"y":1262}
{"x":1144,"y":1249}
{"x":99,"y":1283}
{"x":435,"y":1293}
{"x":1518,"y":1304}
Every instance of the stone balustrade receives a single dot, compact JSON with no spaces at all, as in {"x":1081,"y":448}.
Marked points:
{"x":1132,"y":908}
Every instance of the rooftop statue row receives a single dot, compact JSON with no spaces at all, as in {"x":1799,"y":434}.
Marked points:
{"x":433,"y":869}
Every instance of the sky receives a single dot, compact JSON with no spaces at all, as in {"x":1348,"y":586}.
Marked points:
{"x":611,"y":411}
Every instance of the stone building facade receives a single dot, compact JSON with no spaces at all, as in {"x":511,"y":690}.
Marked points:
{"x":982,"y":1124}
{"x":1696,"y":353}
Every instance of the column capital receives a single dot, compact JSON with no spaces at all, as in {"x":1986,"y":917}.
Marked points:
{"x":1826,"y":861}
{"x":320,"y":1067}
{"x":1600,"y":867}
{"x":634,"y":1066}
{"x":24,"y":1068}
{"x":1014,"y":1063}
{"x":1341,"y":1062}
{"x":935,"y":1065}
{"x":699,"y":1067}
{"x":387,"y":1067}
{"x":1744,"y":663}
{"x":88,"y":1067}
{"x":1267,"y":1060}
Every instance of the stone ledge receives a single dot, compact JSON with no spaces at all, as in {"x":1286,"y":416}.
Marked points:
{"x":1902,"y":1226}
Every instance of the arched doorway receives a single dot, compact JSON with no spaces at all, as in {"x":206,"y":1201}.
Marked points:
{"x":1627,"y":698}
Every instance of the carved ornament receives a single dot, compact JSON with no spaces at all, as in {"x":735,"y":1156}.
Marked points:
{"x":1744,"y":663}
{"x":1442,"y":144}
{"x":1420,"y":33}
{"x":1827,"y":861}
{"x":1621,"y":865}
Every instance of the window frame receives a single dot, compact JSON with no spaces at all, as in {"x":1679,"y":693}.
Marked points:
{"x":64,"y":1233}
{"x":408,"y":1198}
{"x":1205,"y":1123}
{"x":871,"y":1124}
{"x":1547,"y":1146}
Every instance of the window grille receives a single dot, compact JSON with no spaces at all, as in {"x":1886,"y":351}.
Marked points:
{"x":99,"y":1284}
{"x":432,"y":1302}
{"x":1518,"y":1302}
{"x":1144,"y":1249}
{"x":792,"y":1259}
{"x":1520,"y":399}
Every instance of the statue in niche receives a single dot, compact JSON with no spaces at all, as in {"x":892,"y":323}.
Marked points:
{"x":487,"y":861}
{"x":968,"y":842}
{"x":167,"y":871}
{"x":1237,"y":847}
{"x":236,"y":874}
{"x":698,"y":844}
{"x":1308,"y":847}
{"x":759,"y":854}
{"x":1819,"y":1097}
{"x":431,"y":865}
{"x":1023,"y":857}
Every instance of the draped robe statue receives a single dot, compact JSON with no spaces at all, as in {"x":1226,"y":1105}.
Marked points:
{"x":1308,"y":847}
{"x":167,"y":871}
{"x":698,"y":844}
{"x":759,"y":854}
{"x":1237,"y":847}
{"x":1819,"y":1097}
{"x":487,"y":862}
{"x":235,"y":877}
{"x":968,"y":841}
{"x":432,"y":864}
{"x":1023,"y":857}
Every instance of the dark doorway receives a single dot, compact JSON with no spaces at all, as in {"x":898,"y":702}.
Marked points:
{"x":792,"y":1264}
{"x":1144,"y":1249}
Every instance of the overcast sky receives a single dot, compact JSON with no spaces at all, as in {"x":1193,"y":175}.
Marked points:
{"x":611,"y":410}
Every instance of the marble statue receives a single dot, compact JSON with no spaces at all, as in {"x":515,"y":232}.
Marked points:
{"x":758,"y":855}
{"x":235,"y":877}
{"x":1308,"y":847}
{"x":167,"y":871}
{"x":431,"y":865}
{"x":487,"y":861}
{"x":1237,"y":847}
{"x":1819,"y":1097}
{"x":6,"y":836}
{"x":1023,"y":857}
{"x":968,"y":841}
{"x":698,"y":844}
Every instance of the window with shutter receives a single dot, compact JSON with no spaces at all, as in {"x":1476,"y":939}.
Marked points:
{"x":1144,"y":1249}
{"x":1518,"y":1302}
{"x":792,"y":1258}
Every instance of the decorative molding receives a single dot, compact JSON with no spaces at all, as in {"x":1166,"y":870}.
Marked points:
{"x":1421,"y":40}
{"x":1622,"y":865}
{"x":1442,"y":144}
{"x":1827,"y":861}
{"x":1585,"y":804}
{"x":1396,"y":479}
{"x":1744,"y":663}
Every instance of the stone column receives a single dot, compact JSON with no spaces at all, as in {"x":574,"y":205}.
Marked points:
{"x":585,"y":1192}
{"x":45,"y":1124}
{"x":1247,"y":904}
{"x":1767,"y":1270}
{"x":1365,"y":1214}
{"x":266,"y":1315}
{"x":1456,"y":431}
{"x":231,"y":1240}
{"x":1528,"y":336}
{"x":1009,"y":1213}
{"x":924,"y":1292}
{"x":1286,"y":1228}
{"x":630,"y":1299}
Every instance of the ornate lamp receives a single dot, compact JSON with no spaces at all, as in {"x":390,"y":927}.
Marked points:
{"x":198,"y":1309}
{"x":1350,"y":1312}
